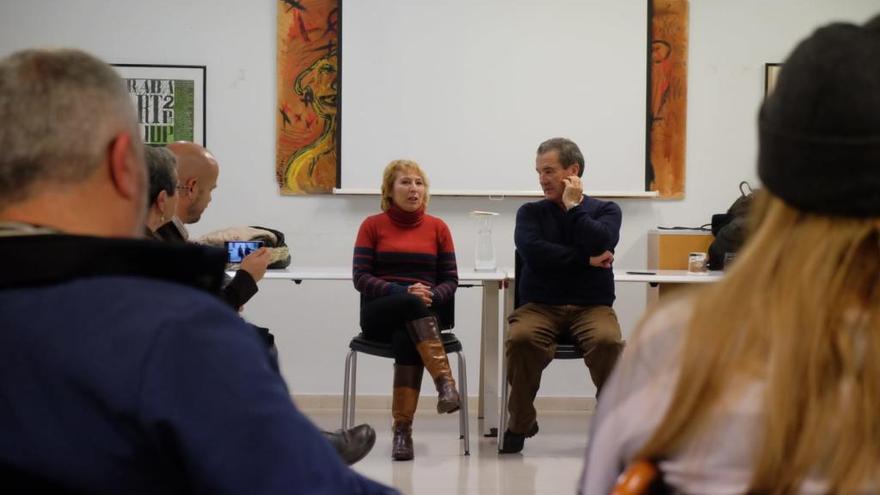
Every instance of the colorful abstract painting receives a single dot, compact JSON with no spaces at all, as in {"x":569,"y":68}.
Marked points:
{"x":308,"y":96}
{"x":667,"y":103}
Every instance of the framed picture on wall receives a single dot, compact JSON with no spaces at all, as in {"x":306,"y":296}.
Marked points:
{"x":170,"y":101}
{"x":771,"y":72}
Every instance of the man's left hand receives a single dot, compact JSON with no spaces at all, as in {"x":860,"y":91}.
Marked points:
{"x":603,"y":260}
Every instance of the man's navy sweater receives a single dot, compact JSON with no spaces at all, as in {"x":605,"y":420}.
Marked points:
{"x":556,"y":245}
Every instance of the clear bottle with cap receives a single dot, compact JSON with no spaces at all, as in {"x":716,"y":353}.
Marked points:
{"x":484,"y":253}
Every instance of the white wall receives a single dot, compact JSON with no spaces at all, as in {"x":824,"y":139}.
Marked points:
{"x":729,"y":43}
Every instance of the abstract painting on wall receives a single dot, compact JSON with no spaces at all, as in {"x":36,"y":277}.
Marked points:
{"x":667,"y":101}
{"x":307,"y":116}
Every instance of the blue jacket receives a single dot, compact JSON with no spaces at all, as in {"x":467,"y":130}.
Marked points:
{"x":556,"y":247}
{"x":120,"y":374}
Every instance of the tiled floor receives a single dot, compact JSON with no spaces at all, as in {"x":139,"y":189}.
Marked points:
{"x":550,"y":463}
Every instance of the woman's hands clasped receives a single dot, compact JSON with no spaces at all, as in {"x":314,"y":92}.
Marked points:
{"x":422,"y":291}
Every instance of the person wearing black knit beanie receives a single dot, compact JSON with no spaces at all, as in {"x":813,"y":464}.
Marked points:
{"x":820,"y":128}
{"x":769,"y":381}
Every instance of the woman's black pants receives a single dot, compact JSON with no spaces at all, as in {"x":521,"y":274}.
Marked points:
{"x":384,"y":320}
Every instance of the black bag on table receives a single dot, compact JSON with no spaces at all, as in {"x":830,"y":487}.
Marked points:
{"x":730,"y":228}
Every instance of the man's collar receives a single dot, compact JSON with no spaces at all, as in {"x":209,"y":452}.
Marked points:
{"x":36,"y":260}
{"x":181,"y":228}
{"x":173,"y":231}
{"x":20,"y":228}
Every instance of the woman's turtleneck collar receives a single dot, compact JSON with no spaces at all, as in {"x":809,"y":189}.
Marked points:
{"x":406,"y":219}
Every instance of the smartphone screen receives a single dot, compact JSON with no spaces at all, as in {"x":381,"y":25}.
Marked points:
{"x":237,"y":250}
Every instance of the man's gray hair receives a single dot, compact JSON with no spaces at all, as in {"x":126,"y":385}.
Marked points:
{"x":569,"y":153}
{"x":162,"y":169}
{"x":59,"y":110}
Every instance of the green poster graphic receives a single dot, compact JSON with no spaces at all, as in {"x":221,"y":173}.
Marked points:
{"x":165,"y":109}
{"x":184,"y":105}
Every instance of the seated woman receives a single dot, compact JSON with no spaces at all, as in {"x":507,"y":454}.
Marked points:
{"x":162,"y":199}
{"x":770,"y":379}
{"x":404,"y":265}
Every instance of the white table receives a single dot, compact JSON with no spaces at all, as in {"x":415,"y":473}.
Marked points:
{"x":493,"y":284}
{"x":667,"y":276}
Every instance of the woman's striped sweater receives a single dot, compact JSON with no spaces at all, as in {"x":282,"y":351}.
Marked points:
{"x":396,"y":249}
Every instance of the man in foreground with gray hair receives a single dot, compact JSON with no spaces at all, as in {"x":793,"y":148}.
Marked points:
{"x":119,"y":371}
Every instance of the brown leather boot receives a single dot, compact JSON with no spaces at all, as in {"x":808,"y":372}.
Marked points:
{"x":425,"y":332}
{"x":402,"y":444}
{"x":407,"y":383}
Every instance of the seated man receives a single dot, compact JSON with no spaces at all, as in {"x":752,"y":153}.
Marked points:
{"x":566,"y":286}
{"x":198,"y":172}
{"x":353,"y":444}
{"x":118,"y":372}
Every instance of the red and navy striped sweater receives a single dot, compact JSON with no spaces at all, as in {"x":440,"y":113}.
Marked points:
{"x":396,"y":249}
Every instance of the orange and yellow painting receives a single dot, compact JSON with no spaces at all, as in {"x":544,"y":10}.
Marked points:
{"x":667,"y":108}
{"x":308,"y":96}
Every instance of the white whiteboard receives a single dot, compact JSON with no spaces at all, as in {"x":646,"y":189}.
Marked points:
{"x":469,"y":88}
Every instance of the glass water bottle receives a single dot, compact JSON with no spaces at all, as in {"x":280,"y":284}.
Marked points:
{"x":484,"y":254}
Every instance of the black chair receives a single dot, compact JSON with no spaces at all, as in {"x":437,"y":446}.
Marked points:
{"x":451,"y":344}
{"x":565,"y":349}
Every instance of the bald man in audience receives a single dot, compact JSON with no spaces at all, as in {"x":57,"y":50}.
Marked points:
{"x":198,"y":178}
{"x":120,"y":372}
{"x":197,"y":172}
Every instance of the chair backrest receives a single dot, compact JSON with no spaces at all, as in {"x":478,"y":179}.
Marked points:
{"x":445,"y":312}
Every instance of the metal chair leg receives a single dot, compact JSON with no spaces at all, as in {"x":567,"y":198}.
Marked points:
{"x":345,"y":390}
{"x":464,"y":424}
{"x":502,"y":422}
{"x":353,"y":396}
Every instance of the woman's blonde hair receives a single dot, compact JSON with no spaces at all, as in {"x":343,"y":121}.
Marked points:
{"x":799,"y":311}
{"x":390,"y":174}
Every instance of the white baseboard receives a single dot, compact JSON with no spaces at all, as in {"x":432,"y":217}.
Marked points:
{"x":427,"y":403}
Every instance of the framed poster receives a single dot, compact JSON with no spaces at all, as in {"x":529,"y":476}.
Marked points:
{"x":771,"y":72}
{"x":170,"y":101}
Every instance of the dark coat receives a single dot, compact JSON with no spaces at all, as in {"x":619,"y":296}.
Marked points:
{"x":121,"y":372}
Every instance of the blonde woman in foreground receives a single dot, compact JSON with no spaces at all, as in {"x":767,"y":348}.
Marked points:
{"x":770,"y":379}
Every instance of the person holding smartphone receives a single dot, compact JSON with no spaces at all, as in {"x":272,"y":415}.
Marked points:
{"x":198,"y":171}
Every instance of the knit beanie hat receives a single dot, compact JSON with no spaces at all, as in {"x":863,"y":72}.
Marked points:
{"x":819,"y":130}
